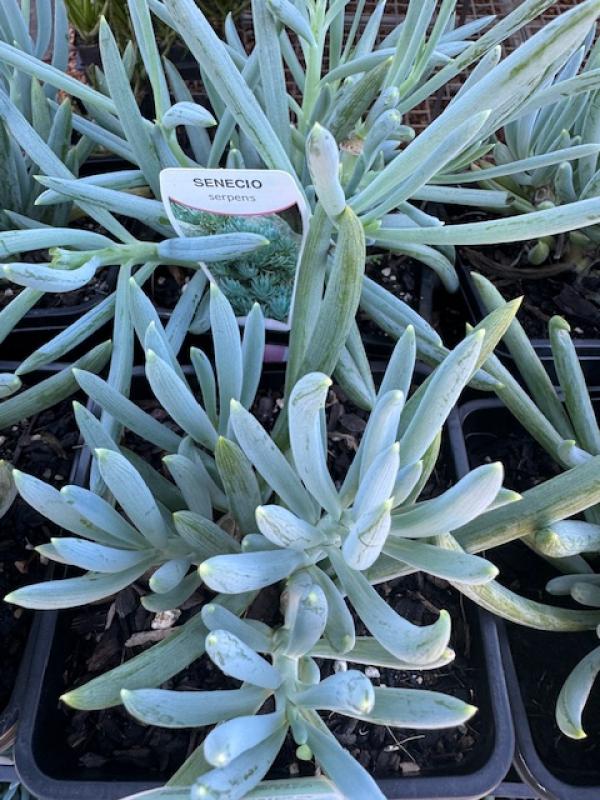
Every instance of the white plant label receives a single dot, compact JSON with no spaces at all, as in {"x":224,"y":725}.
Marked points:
{"x":200,"y":202}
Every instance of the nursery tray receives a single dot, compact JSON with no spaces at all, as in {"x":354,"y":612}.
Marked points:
{"x":588,"y":350}
{"x":485,"y":421}
{"x":51,"y":772}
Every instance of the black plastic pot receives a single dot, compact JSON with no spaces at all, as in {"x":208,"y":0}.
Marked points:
{"x":476,"y":422}
{"x":587,"y":349}
{"x":9,"y":715}
{"x":45,"y":768}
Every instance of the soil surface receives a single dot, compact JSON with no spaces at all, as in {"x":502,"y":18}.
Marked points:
{"x":43,"y":446}
{"x":100,"y":638}
{"x":402,"y":277}
{"x":558,"y":290}
{"x":543,"y":660}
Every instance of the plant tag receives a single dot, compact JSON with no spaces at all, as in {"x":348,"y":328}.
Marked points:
{"x":201,"y":202}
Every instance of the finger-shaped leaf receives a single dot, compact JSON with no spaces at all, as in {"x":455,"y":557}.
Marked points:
{"x":380,"y":433}
{"x":178,"y":401}
{"x":574,"y":694}
{"x":305,"y":615}
{"x":133,"y":123}
{"x":408,"y":642}
{"x":418,"y":709}
{"x":306,"y":406}
{"x":9,"y":384}
{"x":208,"y":385}
{"x":204,"y":537}
{"x":271,"y":463}
{"x":239,"y":661}
{"x":253,"y":348}
{"x":191,"y":481}
{"x":169,"y":575}
{"x":172,"y":709}
{"x":398,"y":374}
{"x":8,"y":489}
{"x":339,"y":630}
{"x":240,"y":483}
{"x":217,"y":247}
{"x":564,"y":496}
{"x":407,"y":481}
{"x":368,"y":651}
{"x":49,"y":502}
{"x":285,"y":529}
{"x":382,"y":428}
{"x":237,"y":780}
{"x":256,"y":635}
{"x":337,"y":763}
{"x":337,"y":311}
{"x":130,"y":415}
{"x":232,"y":738}
{"x":133,"y":495}
{"x":175,"y":598}
{"x":440,"y":396}
{"x":228,"y":353}
{"x":73,"y":592}
{"x":568,"y":538}
{"x":101,"y":514}
{"x":345,"y":692}
{"x":292,"y":18}
{"x":563,"y":584}
{"x":572,"y":381}
{"x":436,"y":561}
{"x":457,"y":506}
{"x":187,"y":113}
{"x":51,"y":391}
{"x":377,"y":483}
{"x":509,"y":605}
{"x":586,"y":594}
{"x":323,"y":158}
{"x":244,"y":572}
{"x":367,"y":536}
{"x":95,"y":557}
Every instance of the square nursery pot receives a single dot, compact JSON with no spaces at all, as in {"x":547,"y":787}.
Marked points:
{"x":9,"y":714}
{"x":51,"y":771}
{"x":587,"y":349}
{"x":536,"y":663}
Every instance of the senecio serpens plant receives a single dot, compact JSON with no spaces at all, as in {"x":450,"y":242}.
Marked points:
{"x":296,"y":526}
{"x":567,"y":427}
{"x":325,"y":542}
{"x":345,"y":140}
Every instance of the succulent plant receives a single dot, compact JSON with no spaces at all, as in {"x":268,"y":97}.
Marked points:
{"x":120,"y":547}
{"x":549,"y":157}
{"x":279,"y":663}
{"x":358,"y":97}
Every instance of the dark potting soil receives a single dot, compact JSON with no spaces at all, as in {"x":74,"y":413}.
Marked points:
{"x":167,"y":285}
{"x":103,"y":636}
{"x":399,"y":275}
{"x":43,"y":446}
{"x":550,"y":289}
{"x":543,"y":660}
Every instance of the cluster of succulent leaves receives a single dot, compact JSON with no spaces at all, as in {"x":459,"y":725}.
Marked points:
{"x":245,"y":508}
{"x":520,"y":156}
{"x":264,"y":276}
{"x":564,"y":421}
